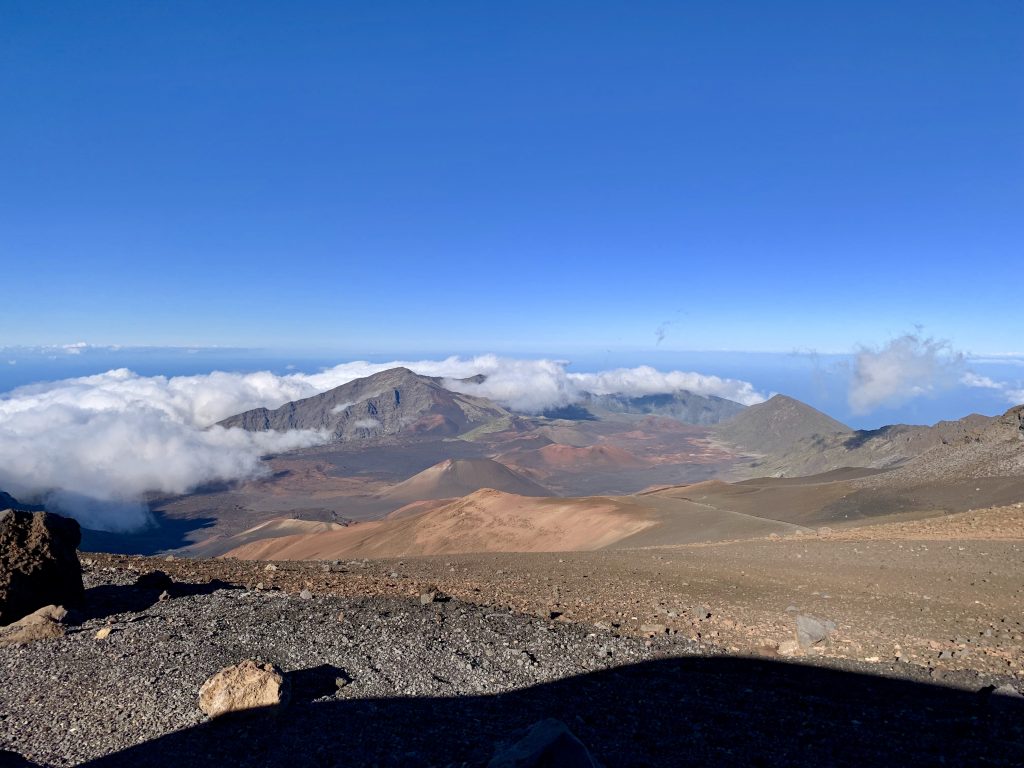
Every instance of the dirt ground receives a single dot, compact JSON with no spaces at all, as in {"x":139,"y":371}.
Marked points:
{"x":945,"y":594}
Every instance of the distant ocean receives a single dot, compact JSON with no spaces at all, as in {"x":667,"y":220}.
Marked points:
{"x":820,"y":380}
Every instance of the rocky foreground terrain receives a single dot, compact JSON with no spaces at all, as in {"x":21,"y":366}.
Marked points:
{"x":890,"y":644}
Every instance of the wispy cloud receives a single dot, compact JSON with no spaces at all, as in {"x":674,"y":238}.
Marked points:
{"x":913,"y":366}
{"x":661,"y":331}
{"x":1012,"y":392}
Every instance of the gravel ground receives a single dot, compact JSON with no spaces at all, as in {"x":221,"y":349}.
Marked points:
{"x":67,"y":701}
{"x":446,"y":683}
{"x":943,"y":594}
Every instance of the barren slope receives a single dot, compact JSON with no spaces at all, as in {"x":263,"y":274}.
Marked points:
{"x":458,"y":477}
{"x":973,"y":446}
{"x":577,"y":459}
{"x":485,"y":521}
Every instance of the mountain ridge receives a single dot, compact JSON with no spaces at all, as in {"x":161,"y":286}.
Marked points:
{"x":386,"y":403}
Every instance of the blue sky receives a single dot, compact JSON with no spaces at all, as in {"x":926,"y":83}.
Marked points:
{"x":549,"y":178}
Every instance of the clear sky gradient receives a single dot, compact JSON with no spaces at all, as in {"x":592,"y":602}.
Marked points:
{"x":516,"y":177}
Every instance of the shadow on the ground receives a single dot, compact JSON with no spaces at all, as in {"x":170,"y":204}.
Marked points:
{"x":167,"y":533}
{"x":112,"y":599}
{"x":691,"y":711}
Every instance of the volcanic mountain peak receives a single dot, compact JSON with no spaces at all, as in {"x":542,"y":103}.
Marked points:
{"x":390,"y":402}
{"x":974,"y":446}
{"x":778,"y":423}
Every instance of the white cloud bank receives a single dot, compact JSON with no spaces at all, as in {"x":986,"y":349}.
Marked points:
{"x":913,"y":366}
{"x":92,"y":446}
{"x":530,"y":386}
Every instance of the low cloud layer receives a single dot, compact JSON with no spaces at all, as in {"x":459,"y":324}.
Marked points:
{"x":913,"y":366}
{"x":93,"y":446}
{"x":533,"y":386}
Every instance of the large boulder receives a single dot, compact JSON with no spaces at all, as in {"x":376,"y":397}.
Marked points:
{"x":38,"y":563}
{"x":248,"y":685}
{"x":45,"y":624}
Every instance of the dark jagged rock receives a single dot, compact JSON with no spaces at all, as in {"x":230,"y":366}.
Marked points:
{"x":38,"y":563}
{"x":157,"y":581}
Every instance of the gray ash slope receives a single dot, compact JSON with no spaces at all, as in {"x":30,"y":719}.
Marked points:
{"x":974,"y":446}
{"x":448,"y":683}
{"x":777,"y":424}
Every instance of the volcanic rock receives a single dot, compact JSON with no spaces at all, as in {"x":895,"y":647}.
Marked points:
{"x":38,"y":563}
{"x":43,"y":624}
{"x":247,"y":685}
{"x":158,"y":581}
{"x":811,"y":631}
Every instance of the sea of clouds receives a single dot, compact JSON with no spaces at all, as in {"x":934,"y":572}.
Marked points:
{"x":93,"y":446}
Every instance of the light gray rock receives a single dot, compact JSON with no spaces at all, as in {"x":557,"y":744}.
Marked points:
{"x":546,"y":743}
{"x":1008,"y":691}
{"x":810,"y":631}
